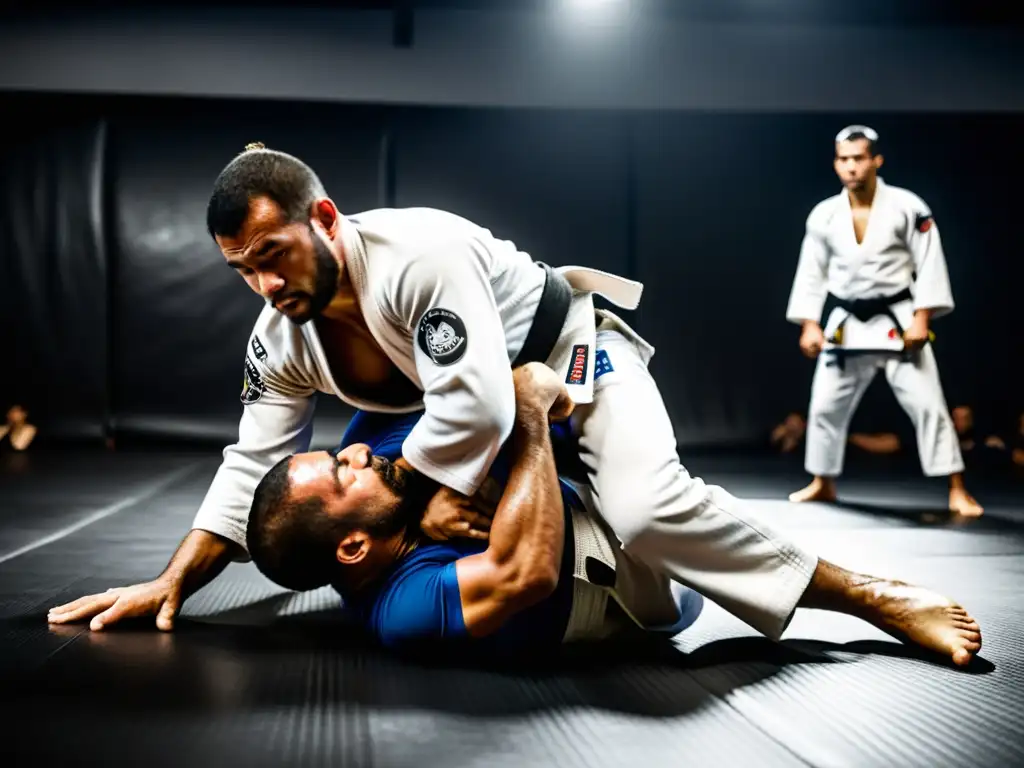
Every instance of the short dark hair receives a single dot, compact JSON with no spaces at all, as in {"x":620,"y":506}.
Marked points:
{"x":292,"y":543}
{"x":261,"y":172}
{"x":856,"y":132}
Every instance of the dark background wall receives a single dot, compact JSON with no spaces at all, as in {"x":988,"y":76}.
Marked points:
{"x":684,"y":152}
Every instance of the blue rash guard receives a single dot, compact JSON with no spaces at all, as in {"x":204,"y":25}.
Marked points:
{"x":417,"y":601}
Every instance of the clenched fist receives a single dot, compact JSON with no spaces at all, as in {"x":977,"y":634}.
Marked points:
{"x":812,"y":339}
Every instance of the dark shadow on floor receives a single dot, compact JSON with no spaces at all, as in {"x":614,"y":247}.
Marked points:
{"x":931,"y":516}
{"x":206,"y":666}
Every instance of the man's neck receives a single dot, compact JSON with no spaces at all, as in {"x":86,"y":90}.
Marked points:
{"x":358,"y":578}
{"x":865,"y":196}
{"x":344,"y":306}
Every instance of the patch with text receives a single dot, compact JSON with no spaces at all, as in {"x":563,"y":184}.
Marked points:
{"x":577,"y":373}
{"x":253,"y":386}
{"x":442,"y":336}
{"x":259,"y":349}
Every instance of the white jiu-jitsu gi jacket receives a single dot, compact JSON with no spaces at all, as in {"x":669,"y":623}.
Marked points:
{"x":451,"y":306}
{"x":902,"y":249}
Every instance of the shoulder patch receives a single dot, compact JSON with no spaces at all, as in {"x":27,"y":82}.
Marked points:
{"x":442,"y":336}
{"x":253,"y":386}
{"x":923,"y":222}
{"x":258,"y":349}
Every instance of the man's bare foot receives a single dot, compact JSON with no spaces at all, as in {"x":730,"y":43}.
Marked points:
{"x":908,"y":613}
{"x":820,"y":489}
{"x":962,"y":503}
{"x":920,"y":616}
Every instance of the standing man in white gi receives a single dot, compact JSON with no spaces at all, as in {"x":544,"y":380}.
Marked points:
{"x":876,"y":249}
{"x":418,"y":309}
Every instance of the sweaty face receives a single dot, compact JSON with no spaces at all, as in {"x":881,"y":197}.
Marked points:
{"x":289,"y":265}
{"x":854,"y":164}
{"x":352,"y":483}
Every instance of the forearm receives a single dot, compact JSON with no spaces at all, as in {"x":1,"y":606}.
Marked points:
{"x":932,"y":289}
{"x":808,"y":292}
{"x":528,"y":529}
{"x":199,"y":559}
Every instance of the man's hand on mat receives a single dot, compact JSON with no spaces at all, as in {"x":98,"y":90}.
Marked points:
{"x":160,"y":598}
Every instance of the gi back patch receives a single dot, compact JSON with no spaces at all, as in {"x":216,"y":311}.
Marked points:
{"x":253,"y":386}
{"x":577,"y":373}
{"x":442,"y":336}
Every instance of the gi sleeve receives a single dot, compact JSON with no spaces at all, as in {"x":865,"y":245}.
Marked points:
{"x":445,"y":301}
{"x":932,"y":289}
{"x":277,"y":420}
{"x":807,"y":296}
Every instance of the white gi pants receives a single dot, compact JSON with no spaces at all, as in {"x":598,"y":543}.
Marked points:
{"x":696,"y":534}
{"x":836,"y":393}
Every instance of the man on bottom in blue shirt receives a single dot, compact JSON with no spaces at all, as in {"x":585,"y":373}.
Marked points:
{"x":549,"y":572}
{"x":352,"y":519}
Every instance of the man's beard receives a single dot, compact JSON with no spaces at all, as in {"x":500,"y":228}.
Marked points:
{"x":325,"y":281}
{"x":407,"y":509}
{"x":395,"y":478}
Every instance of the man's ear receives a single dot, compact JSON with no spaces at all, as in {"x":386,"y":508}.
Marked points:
{"x":353,"y":548}
{"x":326,"y":212}
{"x":878,"y":161}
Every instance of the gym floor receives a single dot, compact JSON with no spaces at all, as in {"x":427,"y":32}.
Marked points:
{"x":257,"y":676}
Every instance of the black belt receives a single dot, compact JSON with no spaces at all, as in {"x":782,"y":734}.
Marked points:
{"x":864,"y":310}
{"x":546,"y":327}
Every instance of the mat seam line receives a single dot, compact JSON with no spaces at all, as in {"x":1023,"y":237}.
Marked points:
{"x":752,"y":723}
{"x":177,"y":474}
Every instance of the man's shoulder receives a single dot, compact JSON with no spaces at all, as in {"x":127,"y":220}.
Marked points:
{"x":823,"y":211}
{"x":273,"y":332}
{"x":907,"y":200}
{"x":432,"y":554}
{"x":399,"y":238}
{"x":410,"y":253}
{"x":419,"y":600}
{"x":418,"y":568}
{"x":382,"y":220}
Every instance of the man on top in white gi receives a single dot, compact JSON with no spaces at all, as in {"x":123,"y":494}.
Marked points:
{"x":876,"y":249}
{"x":417,"y":309}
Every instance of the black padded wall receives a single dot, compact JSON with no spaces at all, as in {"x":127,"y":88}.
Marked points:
{"x":53,"y":267}
{"x":707,"y":209}
{"x":182,"y":316}
{"x":721,"y":205}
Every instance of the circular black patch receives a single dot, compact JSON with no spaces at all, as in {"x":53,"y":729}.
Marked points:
{"x":442,"y":336}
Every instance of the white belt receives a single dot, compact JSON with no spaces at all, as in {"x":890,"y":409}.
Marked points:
{"x":589,"y":601}
{"x":619,"y":291}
